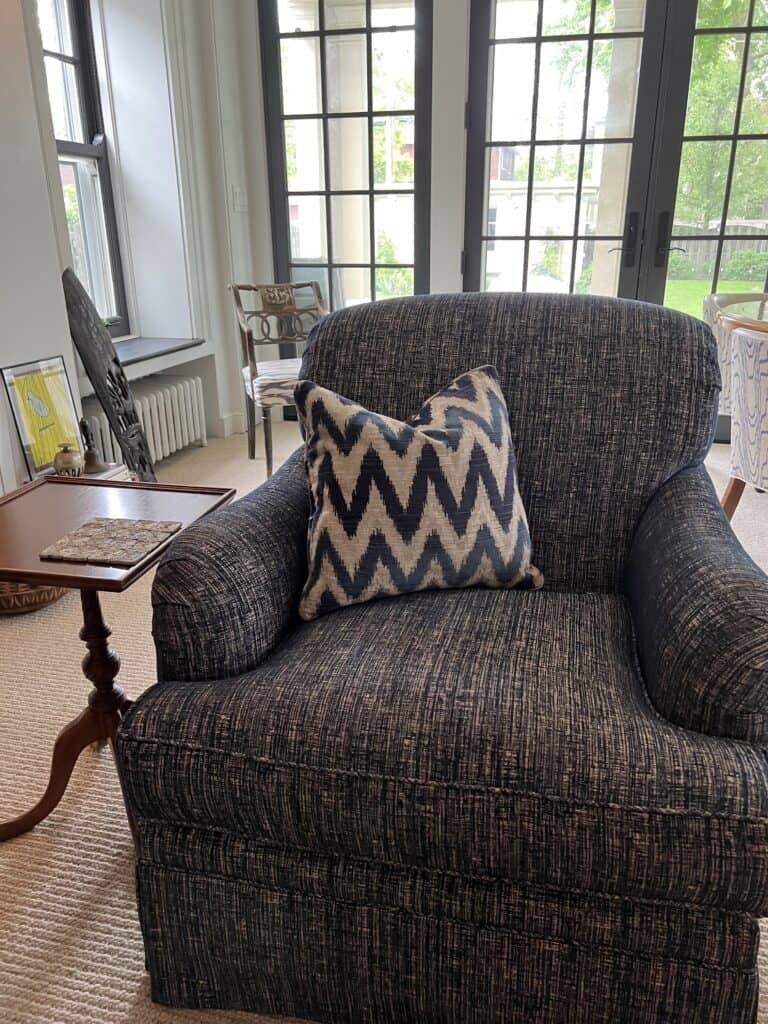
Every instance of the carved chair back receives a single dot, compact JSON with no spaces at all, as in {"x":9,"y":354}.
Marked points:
{"x":275,"y":314}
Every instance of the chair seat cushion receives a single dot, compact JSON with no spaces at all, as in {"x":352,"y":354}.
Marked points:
{"x":275,"y":382}
{"x":486,"y":733}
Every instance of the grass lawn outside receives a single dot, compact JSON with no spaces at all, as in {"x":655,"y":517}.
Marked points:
{"x":688,"y":296}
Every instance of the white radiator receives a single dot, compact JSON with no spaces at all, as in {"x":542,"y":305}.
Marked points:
{"x":170,"y":410}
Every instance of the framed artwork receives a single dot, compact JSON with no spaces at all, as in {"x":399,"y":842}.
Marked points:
{"x":43,"y":409}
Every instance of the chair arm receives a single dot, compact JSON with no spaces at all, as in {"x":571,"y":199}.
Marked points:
{"x":700,"y":609}
{"x":228,"y":588}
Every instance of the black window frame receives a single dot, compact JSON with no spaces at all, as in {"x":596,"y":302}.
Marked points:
{"x":270,"y":39}
{"x":83,"y":61}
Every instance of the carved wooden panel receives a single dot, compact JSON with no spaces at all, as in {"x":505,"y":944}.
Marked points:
{"x":95,"y":348}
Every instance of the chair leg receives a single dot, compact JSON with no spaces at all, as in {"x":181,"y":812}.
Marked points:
{"x":732,"y":496}
{"x":250,"y":414}
{"x":267,"y":438}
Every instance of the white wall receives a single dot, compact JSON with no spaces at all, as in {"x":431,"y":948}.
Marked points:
{"x":450,"y":71}
{"x":33,"y":319}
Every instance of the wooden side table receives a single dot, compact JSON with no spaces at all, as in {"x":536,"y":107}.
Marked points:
{"x":39,"y":514}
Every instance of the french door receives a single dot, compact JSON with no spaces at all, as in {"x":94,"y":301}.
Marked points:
{"x":594,"y":168}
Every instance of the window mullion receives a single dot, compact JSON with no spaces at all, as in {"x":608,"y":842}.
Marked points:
{"x":326,"y":154}
{"x":371,"y":200}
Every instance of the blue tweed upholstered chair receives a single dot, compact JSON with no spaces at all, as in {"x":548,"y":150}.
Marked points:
{"x":475,"y":805}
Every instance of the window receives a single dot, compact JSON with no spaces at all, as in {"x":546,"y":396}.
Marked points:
{"x":720,"y":229}
{"x":73,"y":93}
{"x":553,"y":99}
{"x":348,"y":95}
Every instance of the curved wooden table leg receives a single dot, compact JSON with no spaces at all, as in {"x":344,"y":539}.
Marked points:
{"x":97,"y":724}
{"x":87,"y":728}
{"x":732,"y":496}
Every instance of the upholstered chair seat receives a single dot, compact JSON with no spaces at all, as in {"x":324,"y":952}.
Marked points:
{"x":472,"y":805}
{"x":275,"y":383}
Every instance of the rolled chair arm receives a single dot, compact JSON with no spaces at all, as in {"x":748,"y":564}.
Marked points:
{"x":700,"y":609}
{"x":228,"y":588}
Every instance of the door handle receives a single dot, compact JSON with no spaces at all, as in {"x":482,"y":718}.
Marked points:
{"x":629,"y":248}
{"x":663,"y":248}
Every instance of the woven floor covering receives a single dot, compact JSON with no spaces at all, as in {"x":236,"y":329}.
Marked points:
{"x":70,"y":949}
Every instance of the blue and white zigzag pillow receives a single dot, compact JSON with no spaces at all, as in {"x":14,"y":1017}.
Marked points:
{"x":398,"y":507}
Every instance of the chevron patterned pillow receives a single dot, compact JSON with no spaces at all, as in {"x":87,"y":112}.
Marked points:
{"x":398,"y":507}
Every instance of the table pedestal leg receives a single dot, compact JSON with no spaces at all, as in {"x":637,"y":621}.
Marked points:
{"x":96,"y":724}
{"x":732,"y":496}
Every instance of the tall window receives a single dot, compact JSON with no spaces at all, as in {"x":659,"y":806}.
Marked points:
{"x":83,"y":166}
{"x":554,"y":92}
{"x":348,"y":97}
{"x":720,"y":230}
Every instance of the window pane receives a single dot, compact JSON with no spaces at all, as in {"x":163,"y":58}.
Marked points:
{"x":350,"y":220}
{"x":719,"y":14}
{"x":346,"y":64}
{"x":304,"y":155}
{"x":598,"y":265}
{"x":297,"y":15}
{"x":553,"y":204}
{"x":84,"y":209}
{"x":502,"y":269}
{"x":549,"y":266}
{"x":613,"y":88}
{"x":55,"y":29}
{"x":604,"y":188}
{"x":301,"y":76}
{"x":743,"y":267}
{"x":507,"y":190}
{"x":299,"y":272}
{"x":760,"y":17}
{"x":393,"y":152}
{"x":511,"y":74}
{"x":393,"y":70}
{"x":394,"y":229}
{"x":701,"y":187}
{"x":630,"y":17}
{"x":514,"y":18}
{"x":343,"y":14}
{"x":748,"y":206}
{"x":351,"y":286}
{"x":64,"y":100}
{"x":754,"y":113}
{"x":714,"y":86}
{"x":563,"y":17}
{"x":690,"y":274}
{"x":348,"y":152}
{"x":393,"y":282}
{"x":561,"y":90}
{"x":306,"y":217}
{"x":392,"y":12}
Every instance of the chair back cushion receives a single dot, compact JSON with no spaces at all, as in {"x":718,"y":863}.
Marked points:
{"x":607,"y":399}
{"x":397,"y":507}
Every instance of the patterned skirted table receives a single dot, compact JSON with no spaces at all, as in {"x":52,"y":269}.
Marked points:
{"x":40,"y":514}
{"x":747,"y":324}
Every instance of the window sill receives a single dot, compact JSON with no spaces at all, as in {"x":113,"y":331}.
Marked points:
{"x":137,"y":349}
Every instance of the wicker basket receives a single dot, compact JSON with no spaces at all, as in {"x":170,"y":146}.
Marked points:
{"x":18,"y":598}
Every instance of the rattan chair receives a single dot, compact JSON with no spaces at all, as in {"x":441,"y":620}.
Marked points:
{"x":272,"y":314}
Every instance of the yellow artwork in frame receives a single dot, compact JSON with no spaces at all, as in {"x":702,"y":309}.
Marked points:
{"x":43,"y":409}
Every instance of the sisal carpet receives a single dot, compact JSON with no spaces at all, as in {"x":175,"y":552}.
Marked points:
{"x":70,"y":949}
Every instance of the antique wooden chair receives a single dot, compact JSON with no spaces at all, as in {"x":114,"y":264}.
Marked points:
{"x":272,"y":314}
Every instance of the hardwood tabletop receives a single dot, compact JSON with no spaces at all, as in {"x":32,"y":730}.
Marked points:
{"x":42,"y":512}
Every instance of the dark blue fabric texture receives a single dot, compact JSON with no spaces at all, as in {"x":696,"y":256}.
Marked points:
{"x":700,"y":608}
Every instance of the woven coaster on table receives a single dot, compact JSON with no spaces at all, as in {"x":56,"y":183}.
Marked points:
{"x":122,"y":542}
